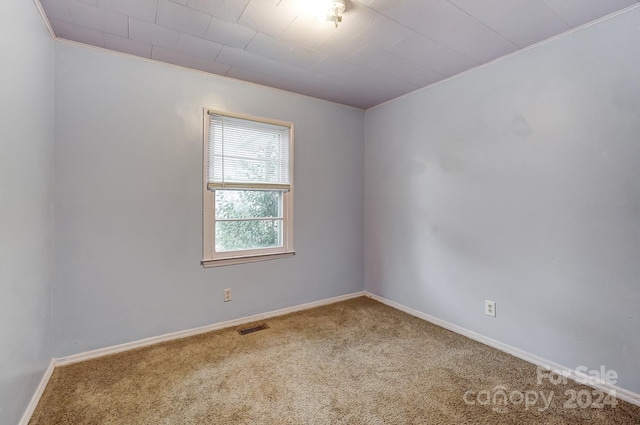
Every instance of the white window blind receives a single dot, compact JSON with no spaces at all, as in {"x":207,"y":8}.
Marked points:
{"x":247,"y":154}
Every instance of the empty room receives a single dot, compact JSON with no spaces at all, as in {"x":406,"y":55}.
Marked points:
{"x":320,"y":212}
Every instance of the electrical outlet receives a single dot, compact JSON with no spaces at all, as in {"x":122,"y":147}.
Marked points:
{"x":227,"y":294}
{"x":490,"y":308}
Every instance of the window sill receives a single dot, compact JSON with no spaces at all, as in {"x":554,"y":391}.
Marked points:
{"x":229,"y":261}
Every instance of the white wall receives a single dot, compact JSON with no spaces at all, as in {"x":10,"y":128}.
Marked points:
{"x":26,"y":169}
{"x":128,"y":201}
{"x":520,"y":183}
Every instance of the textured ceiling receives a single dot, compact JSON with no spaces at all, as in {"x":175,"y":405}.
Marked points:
{"x":381,"y":50}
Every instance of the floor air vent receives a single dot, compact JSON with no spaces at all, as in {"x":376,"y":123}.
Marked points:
{"x":253,"y":329}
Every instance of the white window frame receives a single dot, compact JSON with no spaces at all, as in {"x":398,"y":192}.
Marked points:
{"x":211,"y":258}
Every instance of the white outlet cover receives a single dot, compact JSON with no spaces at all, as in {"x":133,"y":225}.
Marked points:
{"x":490,"y":308}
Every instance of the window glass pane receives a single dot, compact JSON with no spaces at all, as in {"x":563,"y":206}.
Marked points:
{"x":248,"y":204}
{"x":249,"y":234}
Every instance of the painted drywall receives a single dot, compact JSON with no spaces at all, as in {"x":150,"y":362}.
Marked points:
{"x":519,"y":183}
{"x":128,"y":202}
{"x":26,"y":169}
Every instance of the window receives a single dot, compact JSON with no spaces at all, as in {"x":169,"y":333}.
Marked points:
{"x":247,"y":190}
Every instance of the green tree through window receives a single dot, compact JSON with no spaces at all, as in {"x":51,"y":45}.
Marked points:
{"x":238,"y":206}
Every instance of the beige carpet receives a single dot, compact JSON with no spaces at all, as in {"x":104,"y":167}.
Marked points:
{"x":354,"y":362}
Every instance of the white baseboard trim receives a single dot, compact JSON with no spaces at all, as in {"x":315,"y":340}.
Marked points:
{"x":31,"y":407}
{"x":620,"y":393}
{"x":75,"y":358}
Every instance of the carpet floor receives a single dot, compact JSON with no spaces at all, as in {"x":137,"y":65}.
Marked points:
{"x":353,"y":362}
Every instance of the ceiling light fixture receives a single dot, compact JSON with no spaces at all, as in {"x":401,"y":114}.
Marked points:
{"x":332,"y":12}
